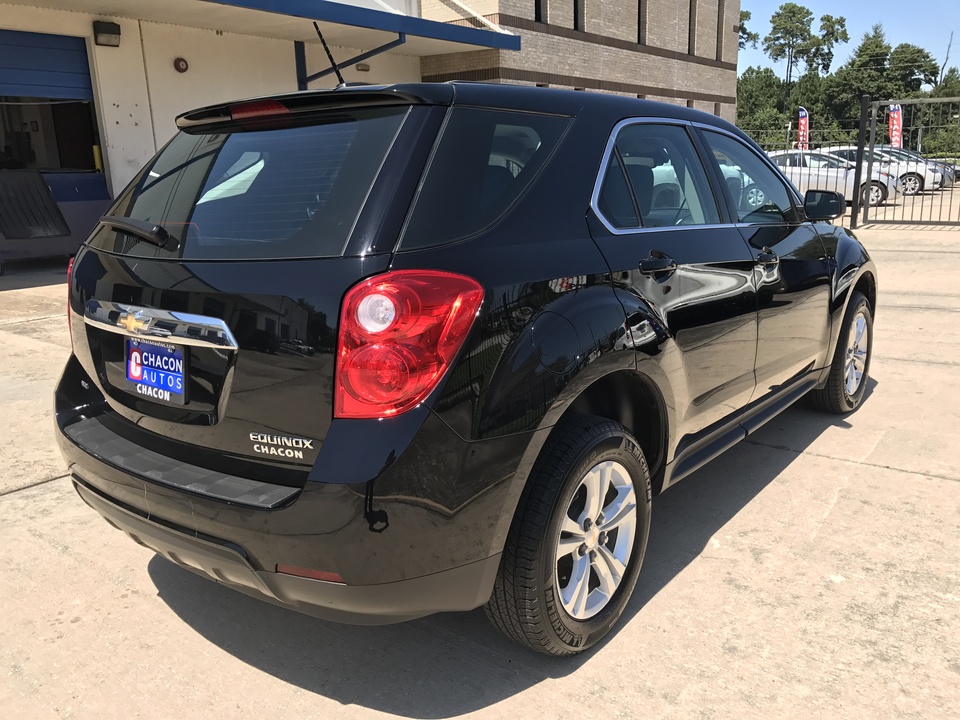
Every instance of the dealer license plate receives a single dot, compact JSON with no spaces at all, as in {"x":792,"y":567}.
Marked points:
{"x":157,"y":370}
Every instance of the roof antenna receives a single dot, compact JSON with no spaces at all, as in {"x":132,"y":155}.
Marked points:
{"x":333,"y":63}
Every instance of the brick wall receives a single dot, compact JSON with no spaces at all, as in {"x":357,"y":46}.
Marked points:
{"x":611,"y":19}
{"x":668,"y":24}
{"x":606,"y":57}
{"x":706,"y":35}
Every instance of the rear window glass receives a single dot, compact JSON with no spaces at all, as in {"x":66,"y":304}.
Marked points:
{"x":484,"y":161}
{"x":295,"y":190}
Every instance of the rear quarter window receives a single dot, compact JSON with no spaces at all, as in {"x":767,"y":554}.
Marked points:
{"x":483,"y":162}
{"x":294,"y":189}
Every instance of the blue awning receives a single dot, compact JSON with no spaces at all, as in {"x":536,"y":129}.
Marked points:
{"x":336,"y":13}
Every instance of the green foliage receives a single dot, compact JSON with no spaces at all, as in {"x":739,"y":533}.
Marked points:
{"x":747,"y":38}
{"x":942,"y":142}
{"x":949,"y":86}
{"x":770,"y":128}
{"x":758,"y":89}
{"x":910,"y":68}
{"x":818,"y":54}
{"x":866,"y":72}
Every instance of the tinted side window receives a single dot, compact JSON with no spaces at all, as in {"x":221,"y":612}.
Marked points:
{"x":666,"y":177}
{"x":484,"y":161}
{"x":758,"y":193}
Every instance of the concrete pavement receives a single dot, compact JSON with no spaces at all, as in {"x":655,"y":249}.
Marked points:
{"x":811,"y":571}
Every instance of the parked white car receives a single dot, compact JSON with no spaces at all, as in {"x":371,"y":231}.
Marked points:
{"x":914,"y":176}
{"x":949,"y":173}
{"x":814,"y":170}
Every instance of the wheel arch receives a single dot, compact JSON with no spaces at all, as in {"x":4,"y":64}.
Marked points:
{"x":652,"y":430}
{"x":634,"y":400}
{"x":856,"y":278}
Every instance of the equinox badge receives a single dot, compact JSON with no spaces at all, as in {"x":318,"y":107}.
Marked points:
{"x":280,"y":445}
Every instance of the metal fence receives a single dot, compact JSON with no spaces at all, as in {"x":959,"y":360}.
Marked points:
{"x":929,"y":158}
{"x":913,"y":183}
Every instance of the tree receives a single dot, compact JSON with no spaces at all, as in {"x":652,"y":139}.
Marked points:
{"x":818,"y":54}
{"x":864,"y":73}
{"x":910,"y":68}
{"x":792,"y":39}
{"x":946,"y":60}
{"x":758,"y":89}
{"x":747,"y":38}
{"x":789,"y":33}
{"x":949,"y":85}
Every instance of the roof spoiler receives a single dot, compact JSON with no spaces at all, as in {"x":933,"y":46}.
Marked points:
{"x":318,"y":100}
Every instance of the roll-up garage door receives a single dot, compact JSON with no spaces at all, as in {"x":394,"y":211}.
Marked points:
{"x":44,"y":66}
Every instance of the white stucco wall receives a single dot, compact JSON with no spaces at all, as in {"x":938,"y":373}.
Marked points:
{"x":223,"y":66}
{"x":384,"y":69}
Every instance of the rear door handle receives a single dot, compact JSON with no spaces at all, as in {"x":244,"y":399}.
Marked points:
{"x":768,"y":257}
{"x":657,"y":263}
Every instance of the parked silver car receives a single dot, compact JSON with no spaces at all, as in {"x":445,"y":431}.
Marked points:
{"x":914,"y":176}
{"x":814,"y":170}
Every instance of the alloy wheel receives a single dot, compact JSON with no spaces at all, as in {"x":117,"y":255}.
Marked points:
{"x":911,"y":184}
{"x":857,"y":349}
{"x":596,"y":539}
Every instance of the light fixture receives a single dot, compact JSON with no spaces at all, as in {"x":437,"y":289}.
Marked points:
{"x":106,"y":33}
{"x":363,"y":67}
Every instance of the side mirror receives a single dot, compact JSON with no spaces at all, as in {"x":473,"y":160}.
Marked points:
{"x":823,"y":205}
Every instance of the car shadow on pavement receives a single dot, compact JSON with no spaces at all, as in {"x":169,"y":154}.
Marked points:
{"x":33,"y":273}
{"x":447,"y":665}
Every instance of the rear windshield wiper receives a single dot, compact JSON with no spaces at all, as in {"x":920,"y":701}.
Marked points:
{"x":151,"y":232}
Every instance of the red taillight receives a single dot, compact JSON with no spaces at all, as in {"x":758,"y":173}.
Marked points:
{"x":399,"y":332}
{"x":69,"y":281}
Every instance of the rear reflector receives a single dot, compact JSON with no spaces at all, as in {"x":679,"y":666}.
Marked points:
{"x":311,"y":574}
{"x":258,"y":109}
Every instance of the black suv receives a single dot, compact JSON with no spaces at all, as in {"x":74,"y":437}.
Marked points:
{"x":527,"y":311}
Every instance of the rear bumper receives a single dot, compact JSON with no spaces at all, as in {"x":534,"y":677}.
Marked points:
{"x":462,"y":588}
{"x":420,"y":534}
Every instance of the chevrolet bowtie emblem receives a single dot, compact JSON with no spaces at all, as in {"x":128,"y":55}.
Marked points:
{"x":131,"y":322}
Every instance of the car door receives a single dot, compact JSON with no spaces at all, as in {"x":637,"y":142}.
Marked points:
{"x":673,"y":256}
{"x":825,"y":173}
{"x":792,"y":271}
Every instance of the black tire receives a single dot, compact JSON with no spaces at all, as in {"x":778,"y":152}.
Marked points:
{"x":865,"y":196}
{"x":834,"y":396}
{"x":525,"y":605}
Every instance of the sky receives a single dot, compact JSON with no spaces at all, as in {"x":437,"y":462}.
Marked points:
{"x":926,"y":23}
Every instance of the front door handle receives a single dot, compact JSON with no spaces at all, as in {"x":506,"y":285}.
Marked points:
{"x":767,"y":257}
{"x":657,"y":263}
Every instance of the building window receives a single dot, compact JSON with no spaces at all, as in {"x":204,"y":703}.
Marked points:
{"x":578,"y":23}
{"x":641,"y":22}
{"x":538,"y":11}
{"x":722,"y":11}
{"x":692,"y":44}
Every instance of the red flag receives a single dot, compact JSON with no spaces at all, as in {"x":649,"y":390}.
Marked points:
{"x":896,"y":126}
{"x":803,"y":130}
